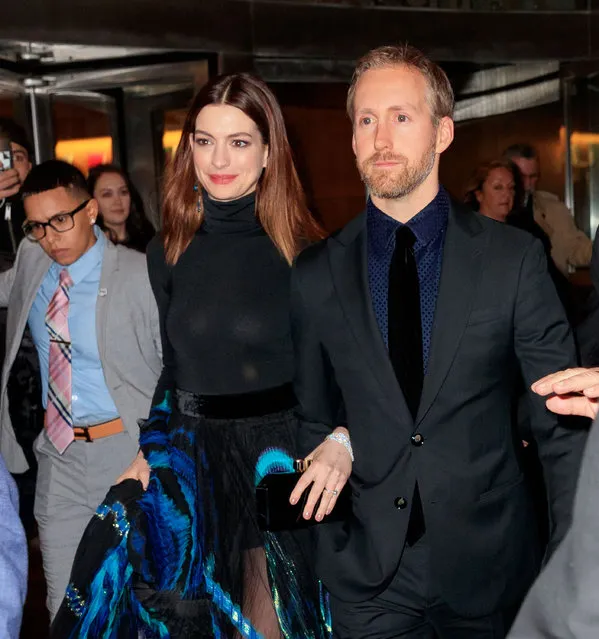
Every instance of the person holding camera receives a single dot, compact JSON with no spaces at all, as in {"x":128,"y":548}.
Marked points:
{"x":14,"y":168}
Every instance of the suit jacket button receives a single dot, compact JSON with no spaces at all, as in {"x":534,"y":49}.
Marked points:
{"x":417,"y":439}
{"x":400,"y":503}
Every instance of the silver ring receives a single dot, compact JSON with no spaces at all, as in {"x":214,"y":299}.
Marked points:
{"x":335,"y":492}
{"x":326,"y":490}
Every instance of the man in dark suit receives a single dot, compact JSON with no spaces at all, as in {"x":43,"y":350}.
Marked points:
{"x":412,"y":325}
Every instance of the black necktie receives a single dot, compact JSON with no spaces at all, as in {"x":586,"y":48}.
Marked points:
{"x":405,"y":344}
{"x":405,"y":326}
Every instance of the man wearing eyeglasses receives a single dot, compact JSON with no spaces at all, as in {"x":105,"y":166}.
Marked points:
{"x":94,"y":323}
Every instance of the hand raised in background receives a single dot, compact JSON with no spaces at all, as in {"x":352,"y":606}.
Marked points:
{"x":575,"y":391}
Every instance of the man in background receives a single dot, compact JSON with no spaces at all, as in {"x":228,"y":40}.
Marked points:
{"x":570,"y":247}
{"x":12,"y":215}
{"x":24,"y":387}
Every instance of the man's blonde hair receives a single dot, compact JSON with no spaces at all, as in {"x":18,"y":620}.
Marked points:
{"x":440,"y":94}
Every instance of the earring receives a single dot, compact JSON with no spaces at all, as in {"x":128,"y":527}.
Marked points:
{"x":196,"y":188}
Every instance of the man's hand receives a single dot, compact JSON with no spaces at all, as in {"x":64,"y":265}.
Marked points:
{"x":9,"y":183}
{"x":330,"y":468}
{"x":575,"y":391}
{"x":138,"y":469}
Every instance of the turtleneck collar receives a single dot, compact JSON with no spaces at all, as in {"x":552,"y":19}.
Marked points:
{"x":234,"y":217}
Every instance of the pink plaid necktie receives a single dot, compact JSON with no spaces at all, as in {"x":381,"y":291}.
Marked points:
{"x":59,"y":418}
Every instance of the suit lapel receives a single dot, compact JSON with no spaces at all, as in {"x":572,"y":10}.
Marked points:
{"x":109,"y":267}
{"x":460,"y":271}
{"x":41,"y":267}
{"x":30,"y":286}
{"x":349,"y":266}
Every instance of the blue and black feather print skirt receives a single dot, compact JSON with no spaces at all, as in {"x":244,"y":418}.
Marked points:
{"x":186,"y":558}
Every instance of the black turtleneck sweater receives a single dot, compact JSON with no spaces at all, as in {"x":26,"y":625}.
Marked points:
{"x":224,"y":306}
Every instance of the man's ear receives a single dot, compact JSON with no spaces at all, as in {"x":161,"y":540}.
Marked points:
{"x":445,"y":133}
{"x":92,"y":211}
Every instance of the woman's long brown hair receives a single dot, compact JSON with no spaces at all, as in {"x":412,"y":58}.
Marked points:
{"x":280,"y":201}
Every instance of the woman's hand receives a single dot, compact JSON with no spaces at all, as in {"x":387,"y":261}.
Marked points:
{"x":575,"y":391}
{"x":330,"y":468}
{"x":138,"y":469}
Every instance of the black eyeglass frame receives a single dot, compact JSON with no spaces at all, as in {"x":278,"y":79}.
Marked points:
{"x":26,"y":226}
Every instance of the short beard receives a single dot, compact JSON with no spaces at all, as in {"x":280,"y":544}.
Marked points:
{"x":393,"y":184}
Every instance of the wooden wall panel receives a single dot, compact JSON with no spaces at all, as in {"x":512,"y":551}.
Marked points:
{"x":6,"y":108}
{"x":320,"y":135}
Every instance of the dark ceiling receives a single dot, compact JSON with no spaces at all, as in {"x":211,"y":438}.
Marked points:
{"x":313,"y":40}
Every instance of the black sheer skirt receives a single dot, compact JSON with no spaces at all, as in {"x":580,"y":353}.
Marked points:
{"x":265,"y":578}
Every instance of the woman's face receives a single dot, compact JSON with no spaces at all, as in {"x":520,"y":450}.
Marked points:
{"x":496,"y":198}
{"x":113,"y":198}
{"x":228,"y":152}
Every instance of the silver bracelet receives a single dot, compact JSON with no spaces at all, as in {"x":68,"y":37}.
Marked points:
{"x":344,"y":440}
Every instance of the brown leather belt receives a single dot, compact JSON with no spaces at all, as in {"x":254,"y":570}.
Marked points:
{"x":98,"y":431}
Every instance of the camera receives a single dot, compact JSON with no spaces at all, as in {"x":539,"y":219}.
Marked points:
{"x":5,"y":155}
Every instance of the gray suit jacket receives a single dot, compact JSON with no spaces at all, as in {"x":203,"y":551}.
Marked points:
{"x":564,"y":601}
{"x":126,"y":325}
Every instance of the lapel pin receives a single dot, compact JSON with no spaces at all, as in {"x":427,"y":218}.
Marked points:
{"x":102,"y":292}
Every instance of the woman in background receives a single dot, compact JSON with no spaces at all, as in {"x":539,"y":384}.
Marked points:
{"x":121,"y":209}
{"x":494,"y":190}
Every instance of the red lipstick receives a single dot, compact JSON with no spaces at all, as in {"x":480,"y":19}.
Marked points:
{"x":221,"y":179}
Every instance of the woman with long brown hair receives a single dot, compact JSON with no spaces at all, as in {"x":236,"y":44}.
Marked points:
{"x":120,"y":207}
{"x":197,"y":563}
{"x":234,"y":217}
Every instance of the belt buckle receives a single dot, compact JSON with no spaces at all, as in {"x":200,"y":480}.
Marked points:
{"x":86,"y":436}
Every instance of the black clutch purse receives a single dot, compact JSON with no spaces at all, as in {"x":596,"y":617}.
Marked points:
{"x":275,"y":512}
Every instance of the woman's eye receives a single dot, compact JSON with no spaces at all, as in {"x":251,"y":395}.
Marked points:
{"x":240,"y":144}
{"x":202,"y":141}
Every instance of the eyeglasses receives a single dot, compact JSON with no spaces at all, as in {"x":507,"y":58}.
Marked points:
{"x":61,"y":223}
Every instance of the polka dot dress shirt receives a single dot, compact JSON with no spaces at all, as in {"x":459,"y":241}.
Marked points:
{"x":429,"y":227}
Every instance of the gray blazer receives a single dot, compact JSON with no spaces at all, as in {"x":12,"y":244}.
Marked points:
{"x":564,"y":601}
{"x":126,"y":325}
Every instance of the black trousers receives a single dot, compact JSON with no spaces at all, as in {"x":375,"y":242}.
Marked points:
{"x":411,"y":607}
